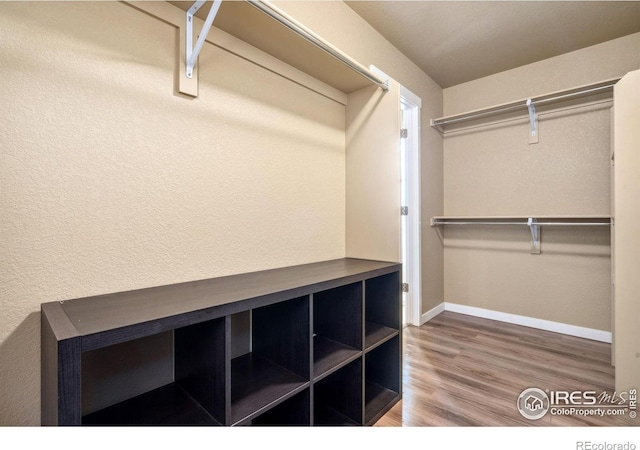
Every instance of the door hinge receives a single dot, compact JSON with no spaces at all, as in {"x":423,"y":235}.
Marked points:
{"x":404,"y":133}
{"x":404,"y":210}
{"x":405,"y":287}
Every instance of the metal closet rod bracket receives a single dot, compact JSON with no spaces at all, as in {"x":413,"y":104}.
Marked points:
{"x":533,"y":122}
{"x":193,"y":52}
{"x":535,"y":235}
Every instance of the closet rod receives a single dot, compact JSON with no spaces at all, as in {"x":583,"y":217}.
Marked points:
{"x":436,"y":222}
{"x":311,"y":37}
{"x":522,"y":104}
{"x":531,"y":223}
{"x":580,"y":93}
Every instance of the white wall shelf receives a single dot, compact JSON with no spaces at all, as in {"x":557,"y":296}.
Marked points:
{"x":269,"y":29}
{"x":576,"y":218}
{"x":526,"y":106}
{"x":532,"y":222}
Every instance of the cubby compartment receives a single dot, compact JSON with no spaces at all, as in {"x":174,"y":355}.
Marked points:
{"x":169,"y":405}
{"x":338,"y":397}
{"x":171,"y":378}
{"x":278,"y":363}
{"x":337,"y":328}
{"x":382,"y":309}
{"x":383,"y":379}
{"x":295,"y":411}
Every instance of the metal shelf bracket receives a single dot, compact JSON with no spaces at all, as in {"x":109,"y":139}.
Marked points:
{"x":533,"y":122}
{"x":194,"y":51}
{"x":535,"y":235}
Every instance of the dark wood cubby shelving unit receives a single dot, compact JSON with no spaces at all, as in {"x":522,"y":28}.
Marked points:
{"x":323,"y":348}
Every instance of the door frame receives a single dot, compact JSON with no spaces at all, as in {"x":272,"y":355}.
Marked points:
{"x":411,"y":105}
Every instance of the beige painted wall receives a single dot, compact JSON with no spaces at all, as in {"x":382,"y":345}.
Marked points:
{"x":340,"y":25}
{"x":373,"y":174}
{"x":112,"y":182}
{"x":627,"y":235}
{"x":492,"y":170}
{"x":610,"y":59}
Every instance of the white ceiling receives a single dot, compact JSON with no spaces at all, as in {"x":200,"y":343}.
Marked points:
{"x":458,"y":41}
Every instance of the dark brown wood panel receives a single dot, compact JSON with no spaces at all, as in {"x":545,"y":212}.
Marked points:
{"x":381,"y":306}
{"x":378,"y":400}
{"x":281,"y":334}
{"x":337,"y":314}
{"x":329,"y":356}
{"x":286,"y":306}
{"x":330,"y":417}
{"x":169,"y":405}
{"x":460,"y":370}
{"x":338,"y":397}
{"x":114,"y":311}
{"x":383,"y":365}
{"x":382,"y":378}
{"x":257,"y":384}
{"x":200,"y":355}
{"x":61,"y":368}
{"x":292,"y":412}
{"x":116,"y":373}
{"x":376,"y":334}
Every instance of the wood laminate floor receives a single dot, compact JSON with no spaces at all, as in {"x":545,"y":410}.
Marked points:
{"x":461,"y":370}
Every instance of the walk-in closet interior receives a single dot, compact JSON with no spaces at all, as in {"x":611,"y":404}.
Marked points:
{"x":529,"y":217}
{"x":202,"y":219}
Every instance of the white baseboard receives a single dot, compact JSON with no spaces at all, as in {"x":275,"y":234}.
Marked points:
{"x":548,"y":325}
{"x":431,"y":313}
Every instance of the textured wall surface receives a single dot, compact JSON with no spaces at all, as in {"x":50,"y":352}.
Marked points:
{"x":340,"y":25}
{"x":569,"y":282}
{"x":372,"y":206}
{"x":493,"y":171}
{"x":610,"y":59}
{"x":110,"y":182}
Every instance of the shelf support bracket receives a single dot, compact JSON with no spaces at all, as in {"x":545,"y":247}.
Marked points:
{"x":535,"y":235}
{"x":533,"y":122}
{"x":194,"y":51}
